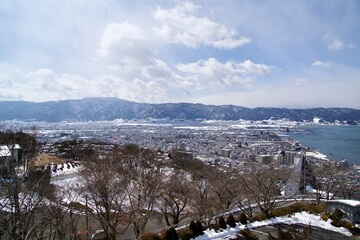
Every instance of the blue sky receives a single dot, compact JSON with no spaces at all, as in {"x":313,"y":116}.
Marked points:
{"x":295,"y":54}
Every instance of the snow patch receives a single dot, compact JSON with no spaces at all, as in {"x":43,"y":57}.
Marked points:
{"x":297,"y":218}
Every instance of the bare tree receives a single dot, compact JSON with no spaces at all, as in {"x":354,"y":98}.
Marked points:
{"x":174,"y":198}
{"x":144,"y":187}
{"x":20,"y":215}
{"x":225,"y":187}
{"x":328,"y":177}
{"x":59,"y":216}
{"x":106,"y":187}
{"x":264,"y":186}
{"x":20,"y":201}
{"x":204,"y":200}
{"x":349,"y":187}
{"x":142,"y":193}
{"x":243,"y":196}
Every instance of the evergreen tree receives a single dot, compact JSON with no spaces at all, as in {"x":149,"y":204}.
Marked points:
{"x":171,"y":234}
{"x":230,"y":220}
{"x":194,"y":228}
{"x":222,"y":223}
{"x":199,"y":227}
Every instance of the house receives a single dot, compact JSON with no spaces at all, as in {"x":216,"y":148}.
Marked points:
{"x":9,"y":153}
{"x":350,"y":208}
{"x":4,"y":153}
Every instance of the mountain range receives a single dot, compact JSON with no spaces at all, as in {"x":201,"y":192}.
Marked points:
{"x":96,"y":109}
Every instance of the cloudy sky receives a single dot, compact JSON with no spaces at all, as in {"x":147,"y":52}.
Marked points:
{"x":281,"y":53}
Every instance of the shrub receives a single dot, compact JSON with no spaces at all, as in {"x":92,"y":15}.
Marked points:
{"x":248,"y":234}
{"x":185,"y":233}
{"x":336,"y":216}
{"x":284,"y":211}
{"x":260,"y":216}
{"x":325,"y":216}
{"x":242,"y":218}
{"x":222,"y":223}
{"x":315,"y":208}
{"x":150,"y":236}
{"x":199,"y":227}
{"x":171,"y":234}
{"x":214,"y":226}
{"x":347,"y":224}
{"x":230,"y":220}
{"x":298,"y":207}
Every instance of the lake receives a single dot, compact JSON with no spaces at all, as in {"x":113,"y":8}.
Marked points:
{"x":336,"y":142}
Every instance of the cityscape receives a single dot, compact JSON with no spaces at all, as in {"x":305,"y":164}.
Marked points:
{"x":179,"y":120}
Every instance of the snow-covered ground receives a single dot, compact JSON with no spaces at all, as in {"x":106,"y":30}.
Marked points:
{"x":316,"y":154}
{"x":297,"y":218}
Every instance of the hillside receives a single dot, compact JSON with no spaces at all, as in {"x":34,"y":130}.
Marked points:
{"x":95,"y":109}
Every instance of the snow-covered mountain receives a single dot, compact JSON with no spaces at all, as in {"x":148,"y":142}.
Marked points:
{"x":95,"y":109}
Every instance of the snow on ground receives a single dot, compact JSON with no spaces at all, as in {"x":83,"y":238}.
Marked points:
{"x":64,"y":169}
{"x":353,"y":203}
{"x":69,"y":189}
{"x":297,"y":218}
{"x":316,"y":155}
{"x":68,"y":182}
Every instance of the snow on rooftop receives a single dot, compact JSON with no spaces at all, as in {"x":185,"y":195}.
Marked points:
{"x":5,"y":151}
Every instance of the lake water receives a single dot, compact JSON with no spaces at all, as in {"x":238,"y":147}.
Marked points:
{"x":336,"y":142}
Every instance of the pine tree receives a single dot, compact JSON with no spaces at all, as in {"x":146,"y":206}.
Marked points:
{"x":171,"y":234}
{"x":194,"y":228}
{"x":199,"y":227}
{"x":230,"y":220}
{"x":222,"y":223}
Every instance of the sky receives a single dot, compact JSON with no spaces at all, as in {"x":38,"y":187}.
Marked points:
{"x":251,"y":53}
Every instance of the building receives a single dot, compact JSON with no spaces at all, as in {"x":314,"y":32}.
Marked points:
{"x":350,"y":208}
{"x":8,"y":154}
{"x":264,"y":159}
{"x":279,"y":158}
{"x":225,"y":152}
{"x":5,"y":154}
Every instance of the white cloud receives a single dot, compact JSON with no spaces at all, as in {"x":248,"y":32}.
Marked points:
{"x":125,"y":43}
{"x":48,"y":84}
{"x":322,"y":63}
{"x":136,"y":90}
{"x":126,"y":47}
{"x":204,"y":73}
{"x":335,"y":44}
{"x":179,"y":25}
{"x":303,"y":96}
{"x":113,"y":48}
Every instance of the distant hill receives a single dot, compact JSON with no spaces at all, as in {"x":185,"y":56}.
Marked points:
{"x":96,"y":109}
